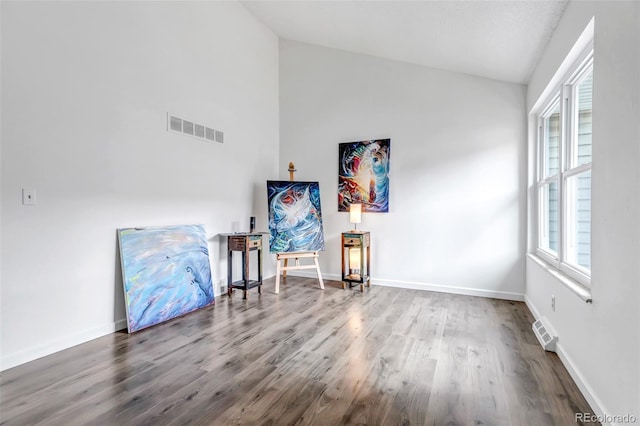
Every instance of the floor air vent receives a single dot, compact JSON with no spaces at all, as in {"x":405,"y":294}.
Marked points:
{"x":545,"y":336}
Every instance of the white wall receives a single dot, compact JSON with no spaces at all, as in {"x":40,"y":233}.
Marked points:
{"x":86,"y":87}
{"x":457,"y":218}
{"x":599,"y":342}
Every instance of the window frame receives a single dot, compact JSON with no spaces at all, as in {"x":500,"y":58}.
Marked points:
{"x":566,"y":94}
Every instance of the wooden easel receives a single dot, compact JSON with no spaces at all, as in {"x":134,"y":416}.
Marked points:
{"x":282,"y":268}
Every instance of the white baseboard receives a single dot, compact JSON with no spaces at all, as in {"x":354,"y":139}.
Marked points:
{"x":586,"y":390}
{"x":467,"y":291}
{"x":64,"y":342}
{"x":505,"y":295}
{"x":532,"y":308}
{"x":588,"y":393}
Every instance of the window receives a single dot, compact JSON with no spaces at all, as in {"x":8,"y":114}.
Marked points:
{"x":564,"y":174}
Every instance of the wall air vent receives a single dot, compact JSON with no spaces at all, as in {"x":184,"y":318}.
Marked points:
{"x":210,"y":134}
{"x":199,"y":131}
{"x":177,"y":124}
{"x":546,"y":337}
{"x":187,"y":127}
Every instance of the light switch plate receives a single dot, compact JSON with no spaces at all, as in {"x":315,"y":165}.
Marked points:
{"x":28,"y":197}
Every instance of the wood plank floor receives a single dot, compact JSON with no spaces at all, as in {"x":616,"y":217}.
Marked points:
{"x":307,"y":357}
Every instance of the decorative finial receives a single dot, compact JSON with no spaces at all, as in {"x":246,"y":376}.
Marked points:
{"x":292,"y":169}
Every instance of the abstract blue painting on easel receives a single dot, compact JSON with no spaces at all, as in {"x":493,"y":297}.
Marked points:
{"x":295,"y":217}
{"x":166,"y":273}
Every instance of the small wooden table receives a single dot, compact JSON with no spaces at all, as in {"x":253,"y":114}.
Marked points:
{"x":356,"y":271}
{"x":244,"y":242}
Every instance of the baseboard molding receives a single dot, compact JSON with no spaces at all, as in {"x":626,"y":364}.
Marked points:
{"x":505,"y":295}
{"x":588,"y":393}
{"x":65,"y":342}
{"x":531,"y":307}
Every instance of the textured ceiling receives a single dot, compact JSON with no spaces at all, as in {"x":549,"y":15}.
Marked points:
{"x":502,"y":40}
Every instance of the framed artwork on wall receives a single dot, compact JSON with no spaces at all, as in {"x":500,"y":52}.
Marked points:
{"x":165,"y":273}
{"x":363,"y":175}
{"x":295,"y":216}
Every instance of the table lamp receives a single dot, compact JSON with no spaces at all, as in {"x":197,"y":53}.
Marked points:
{"x":355,"y":215}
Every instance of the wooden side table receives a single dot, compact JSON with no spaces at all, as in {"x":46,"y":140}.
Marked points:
{"x":245,"y":243}
{"x":356,"y":259}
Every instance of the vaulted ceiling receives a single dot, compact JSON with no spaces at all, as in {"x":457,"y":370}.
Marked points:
{"x":502,"y":40}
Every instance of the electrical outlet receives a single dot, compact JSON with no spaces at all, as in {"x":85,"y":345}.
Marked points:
{"x":553,"y":303}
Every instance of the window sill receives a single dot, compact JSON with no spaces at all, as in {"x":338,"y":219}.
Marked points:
{"x":573,"y":285}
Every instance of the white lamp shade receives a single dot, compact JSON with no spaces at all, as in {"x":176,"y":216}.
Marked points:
{"x":354,"y":259}
{"x":355,"y":213}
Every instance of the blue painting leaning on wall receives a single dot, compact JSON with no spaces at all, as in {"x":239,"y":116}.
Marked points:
{"x":166,"y":273}
{"x":295,"y":217}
